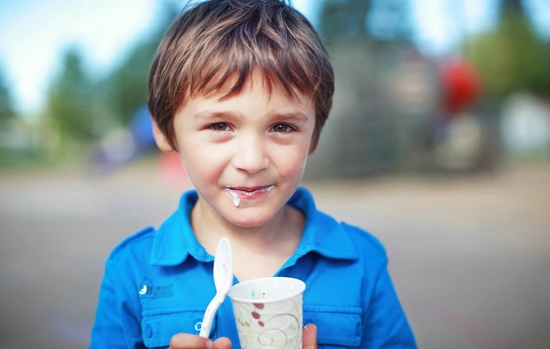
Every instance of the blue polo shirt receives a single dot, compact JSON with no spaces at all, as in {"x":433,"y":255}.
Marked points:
{"x":159,"y":282}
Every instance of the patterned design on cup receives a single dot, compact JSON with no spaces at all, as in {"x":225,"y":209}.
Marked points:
{"x":265,"y":318}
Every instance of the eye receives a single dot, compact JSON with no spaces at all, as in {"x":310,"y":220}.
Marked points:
{"x":220,"y":126}
{"x":282,"y":128}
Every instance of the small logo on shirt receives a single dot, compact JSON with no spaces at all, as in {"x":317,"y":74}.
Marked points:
{"x":148,"y":289}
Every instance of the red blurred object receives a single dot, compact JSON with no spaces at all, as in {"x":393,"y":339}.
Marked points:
{"x":462,"y":86}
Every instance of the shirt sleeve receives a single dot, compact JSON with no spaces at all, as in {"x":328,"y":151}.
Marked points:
{"x":385,"y":322}
{"x":117,"y":323}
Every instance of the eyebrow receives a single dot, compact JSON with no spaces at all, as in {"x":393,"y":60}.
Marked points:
{"x":298,"y":116}
{"x":206,"y":115}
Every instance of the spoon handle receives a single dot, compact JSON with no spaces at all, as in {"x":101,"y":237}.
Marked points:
{"x":209,"y":317}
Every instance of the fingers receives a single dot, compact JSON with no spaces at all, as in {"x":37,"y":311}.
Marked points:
{"x":189,"y":341}
{"x":309,"y":337}
{"x":222,"y":343}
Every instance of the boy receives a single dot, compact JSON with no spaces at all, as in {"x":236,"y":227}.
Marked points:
{"x":241,"y":90}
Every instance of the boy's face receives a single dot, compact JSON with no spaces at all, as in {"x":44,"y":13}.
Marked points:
{"x":252,"y":146}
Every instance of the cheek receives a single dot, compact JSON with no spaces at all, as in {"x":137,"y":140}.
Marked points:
{"x":201,"y":164}
{"x":292,"y":164}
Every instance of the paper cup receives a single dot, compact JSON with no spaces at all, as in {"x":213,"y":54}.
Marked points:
{"x":268,"y":312}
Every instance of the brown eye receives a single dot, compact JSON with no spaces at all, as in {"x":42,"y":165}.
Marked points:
{"x":282,"y":128}
{"x":220,"y":126}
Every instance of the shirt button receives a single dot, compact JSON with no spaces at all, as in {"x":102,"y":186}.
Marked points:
{"x":148,"y":331}
{"x":198,"y":326}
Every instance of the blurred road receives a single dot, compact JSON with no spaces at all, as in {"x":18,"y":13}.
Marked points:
{"x":470,"y":256}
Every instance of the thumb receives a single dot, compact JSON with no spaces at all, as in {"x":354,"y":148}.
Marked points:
{"x":309,"y":337}
{"x":222,"y":343}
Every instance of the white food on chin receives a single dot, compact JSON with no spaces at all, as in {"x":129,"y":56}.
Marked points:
{"x":236,"y":199}
{"x":234,"y":196}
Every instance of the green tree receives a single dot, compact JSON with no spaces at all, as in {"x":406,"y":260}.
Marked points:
{"x":69,"y":104}
{"x":512,"y":57}
{"x":7,"y":111}
{"x":124,"y":90}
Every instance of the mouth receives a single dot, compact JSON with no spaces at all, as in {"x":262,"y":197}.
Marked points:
{"x":248,"y":193}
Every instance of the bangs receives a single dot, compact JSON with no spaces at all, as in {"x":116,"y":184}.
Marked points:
{"x":229,"y":71}
{"x":228,"y":54}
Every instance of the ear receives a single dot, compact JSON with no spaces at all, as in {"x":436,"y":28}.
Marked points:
{"x":160,"y":139}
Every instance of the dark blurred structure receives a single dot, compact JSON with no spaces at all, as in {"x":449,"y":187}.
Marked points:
{"x":397,"y":110}
{"x":385,"y":89}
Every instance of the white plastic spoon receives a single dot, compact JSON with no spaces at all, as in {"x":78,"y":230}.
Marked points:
{"x":223,"y":279}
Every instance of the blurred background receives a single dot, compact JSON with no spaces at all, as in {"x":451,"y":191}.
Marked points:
{"x":438,"y":143}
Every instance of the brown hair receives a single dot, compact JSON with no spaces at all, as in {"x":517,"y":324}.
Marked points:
{"x":221,"y":39}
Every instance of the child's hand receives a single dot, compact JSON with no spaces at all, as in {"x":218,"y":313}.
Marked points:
{"x":190,"y":341}
{"x":309,"y":337}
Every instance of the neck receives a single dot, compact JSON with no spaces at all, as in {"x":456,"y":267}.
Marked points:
{"x":267,"y":246}
{"x":209,"y":226}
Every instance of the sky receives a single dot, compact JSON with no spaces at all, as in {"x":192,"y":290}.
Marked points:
{"x":441,"y":24}
{"x":33,"y":33}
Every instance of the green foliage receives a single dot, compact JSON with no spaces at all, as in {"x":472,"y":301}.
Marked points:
{"x":82,"y":109}
{"x":69,"y":105}
{"x":7,"y":111}
{"x":511,"y":58}
{"x":125,"y":90}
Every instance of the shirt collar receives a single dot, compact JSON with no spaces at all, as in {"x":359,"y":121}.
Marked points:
{"x":175,"y":240}
{"x":322,"y":233}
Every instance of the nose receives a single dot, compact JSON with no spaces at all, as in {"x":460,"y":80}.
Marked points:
{"x":251,"y":155}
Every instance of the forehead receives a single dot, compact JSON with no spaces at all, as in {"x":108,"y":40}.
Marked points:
{"x":225,"y":87}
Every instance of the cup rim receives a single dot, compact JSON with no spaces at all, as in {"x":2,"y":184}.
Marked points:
{"x":300,"y":289}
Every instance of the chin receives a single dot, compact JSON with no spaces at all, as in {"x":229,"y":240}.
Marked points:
{"x":250,"y":223}
{"x":250,"y":219}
